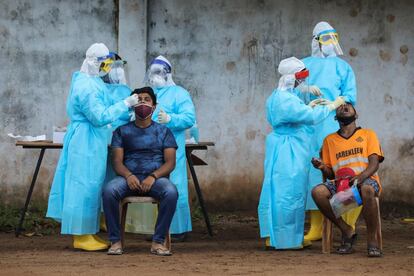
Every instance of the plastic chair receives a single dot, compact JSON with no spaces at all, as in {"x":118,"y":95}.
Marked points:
{"x":124,"y":208}
{"x":327,"y":232}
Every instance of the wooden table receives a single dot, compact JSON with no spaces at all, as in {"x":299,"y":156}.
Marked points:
{"x":191,"y":159}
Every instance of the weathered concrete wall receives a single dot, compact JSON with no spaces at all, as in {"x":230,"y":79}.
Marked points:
{"x":226,"y":54}
{"x":132,"y":39}
{"x":42,"y":43}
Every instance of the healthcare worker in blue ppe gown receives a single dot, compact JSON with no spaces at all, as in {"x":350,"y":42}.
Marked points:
{"x":75,"y":196}
{"x":330,"y":76}
{"x":282,"y":202}
{"x":176,"y":110}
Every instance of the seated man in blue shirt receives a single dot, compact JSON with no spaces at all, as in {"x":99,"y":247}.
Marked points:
{"x":143,"y":157}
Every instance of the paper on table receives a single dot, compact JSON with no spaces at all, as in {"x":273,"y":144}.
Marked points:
{"x":28,"y":138}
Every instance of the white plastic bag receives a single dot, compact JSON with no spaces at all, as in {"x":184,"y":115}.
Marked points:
{"x":344,"y":201}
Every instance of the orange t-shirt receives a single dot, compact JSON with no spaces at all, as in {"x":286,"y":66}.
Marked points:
{"x":353,"y":152}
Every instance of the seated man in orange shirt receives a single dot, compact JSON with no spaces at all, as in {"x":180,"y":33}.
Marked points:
{"x":358,"y":149}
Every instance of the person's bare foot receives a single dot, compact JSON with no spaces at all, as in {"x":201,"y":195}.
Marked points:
{"x":115,"y":249}
{"x":160,"y":249}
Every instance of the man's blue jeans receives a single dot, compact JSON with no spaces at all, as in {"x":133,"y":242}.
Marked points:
{"x":117,"y":189}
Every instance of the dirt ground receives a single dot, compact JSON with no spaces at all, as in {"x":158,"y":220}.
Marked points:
{"x":235,"y":250}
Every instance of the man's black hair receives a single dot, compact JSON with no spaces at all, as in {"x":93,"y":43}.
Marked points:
{"x":147,"y":90}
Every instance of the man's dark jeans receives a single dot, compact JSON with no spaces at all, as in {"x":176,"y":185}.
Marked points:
{"x":117,"y":189}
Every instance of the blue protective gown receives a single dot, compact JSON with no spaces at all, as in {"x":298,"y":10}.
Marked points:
{"x":334,"y":77}
{"x":177,"y":103}
{"x":283,"y":197}
{"x":75,"y":196}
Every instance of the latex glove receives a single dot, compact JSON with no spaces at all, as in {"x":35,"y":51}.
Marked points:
{"x":319,"y":101}
{"x":313,"y":89}
{"x":315,"y":103}
{"x":325,"y":102}
{"x":337,"y":103}
{"x":163,"y":118}
{"x":131,"y":100}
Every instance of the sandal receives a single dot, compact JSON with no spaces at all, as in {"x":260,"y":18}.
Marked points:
{"x":346,"y":246}
{"x":160,"y":251}
{"x":117,"y":251}
{"x":374,"y":251}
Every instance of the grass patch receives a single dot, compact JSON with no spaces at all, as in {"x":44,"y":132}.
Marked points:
{"x":197,"y":214}
{"x":35,"y":222}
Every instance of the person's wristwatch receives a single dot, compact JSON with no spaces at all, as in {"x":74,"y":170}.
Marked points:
{"x":153,"y":175}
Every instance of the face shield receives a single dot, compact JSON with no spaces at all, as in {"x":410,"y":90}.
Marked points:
{"x":116,"y":67}
{"x":301,"y":83}
{"x":103,"y":58}
{"x":159,"y":73}
{"x":105,"y":67}
{"x":329,"y":42}
{"x":289,"y":68}
{"x":95,"y":55}
{"x":301,"y":77}
{"x":156,"y":75}
{"x":117,"y":73}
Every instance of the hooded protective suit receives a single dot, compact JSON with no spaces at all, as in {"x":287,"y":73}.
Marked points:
{"x":75,"y":196}
{"x":281,"y":208}
{"x":178,"y":107}
{"x":334,"y":77}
